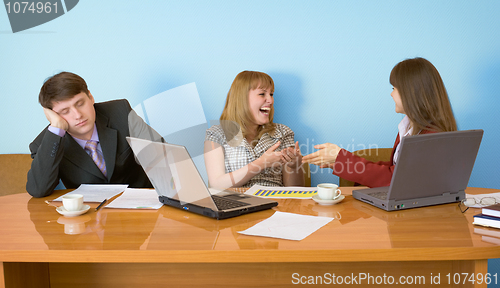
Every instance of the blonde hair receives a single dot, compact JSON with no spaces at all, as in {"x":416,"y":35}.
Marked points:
{"x":237,"y":106}
{"x":423,"y":95}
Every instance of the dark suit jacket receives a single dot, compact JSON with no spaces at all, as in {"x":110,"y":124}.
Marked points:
{"x":62,"y":158}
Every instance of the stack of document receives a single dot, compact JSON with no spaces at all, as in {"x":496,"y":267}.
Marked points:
{"x":131,"y":198}
{"x":97,"y":192}
{"x":137,"y":199}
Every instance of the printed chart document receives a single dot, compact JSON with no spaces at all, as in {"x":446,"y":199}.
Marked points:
{"x":137,"y":199}
{"x":97,"y":192}
{"x":282,"y":192}
{"x":287,"y":226}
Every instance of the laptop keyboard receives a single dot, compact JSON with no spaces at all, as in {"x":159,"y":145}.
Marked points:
{"x":224,"y":204}
{"x":379,"y":195}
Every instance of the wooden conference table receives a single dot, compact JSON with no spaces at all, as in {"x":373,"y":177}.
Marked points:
{"x":170,"y":247}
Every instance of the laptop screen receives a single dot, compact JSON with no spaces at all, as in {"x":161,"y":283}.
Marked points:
{"x":433,"y":164}
{"x":171,"y":171}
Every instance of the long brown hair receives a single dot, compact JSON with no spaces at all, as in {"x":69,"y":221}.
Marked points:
{"x":237,"y":105}
{"x":423,"y":95}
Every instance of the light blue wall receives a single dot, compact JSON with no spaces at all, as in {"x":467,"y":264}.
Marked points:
{"x":330,"y":60}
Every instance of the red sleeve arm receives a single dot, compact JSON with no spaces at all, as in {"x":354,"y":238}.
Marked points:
{"x":362,"y":171}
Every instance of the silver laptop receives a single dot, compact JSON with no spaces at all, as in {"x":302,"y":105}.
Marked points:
{"x":179,"y":184}
{"x":432,"y":169}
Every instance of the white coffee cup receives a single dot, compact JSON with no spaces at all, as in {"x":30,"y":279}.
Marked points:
{"x":328,"y":191}
{"x":73,"y":202}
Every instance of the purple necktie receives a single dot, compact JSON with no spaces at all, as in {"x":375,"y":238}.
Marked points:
{"x":96,"y":156}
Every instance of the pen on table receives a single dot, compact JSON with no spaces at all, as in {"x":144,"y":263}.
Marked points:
{"x":100,"y":205}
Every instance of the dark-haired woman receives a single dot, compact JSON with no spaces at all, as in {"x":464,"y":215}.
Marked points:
{"x":420,"y":94}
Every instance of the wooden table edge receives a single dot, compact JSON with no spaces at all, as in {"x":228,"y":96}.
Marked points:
{"x":253,"y":256}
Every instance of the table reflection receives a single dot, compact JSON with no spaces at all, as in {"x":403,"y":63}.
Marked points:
{"x":181,"y":230}
{"x":174,"y":229}
{"x":107,"y":229}
{"x":74,"y":225}
{"x":435,"y":226}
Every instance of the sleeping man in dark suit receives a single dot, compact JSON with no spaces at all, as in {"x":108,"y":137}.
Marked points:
{"x":63,"y":150}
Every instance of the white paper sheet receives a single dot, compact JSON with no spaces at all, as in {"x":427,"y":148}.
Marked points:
{"x":287,"y":226}
{"x":479,"y":196}
{"x":282,"y":192}
{"x":137,"y":199}
{"x":97,"y":192}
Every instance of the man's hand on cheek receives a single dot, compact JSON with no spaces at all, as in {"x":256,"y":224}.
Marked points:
{"x":55,"y":119}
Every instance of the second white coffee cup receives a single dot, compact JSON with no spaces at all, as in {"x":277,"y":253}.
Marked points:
{"x":72,"y":202}
{"x":328,"y":191}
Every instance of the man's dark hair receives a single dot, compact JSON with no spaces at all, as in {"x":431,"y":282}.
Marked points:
{"x":61,"y":87}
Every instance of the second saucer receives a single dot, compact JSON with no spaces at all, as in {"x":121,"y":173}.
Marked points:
{"x":327,"y":202}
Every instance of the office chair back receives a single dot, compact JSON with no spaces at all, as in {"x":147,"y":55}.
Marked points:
{"x":13,"y":173}
{"x":374,"y":155}
{"x":307,"y":175}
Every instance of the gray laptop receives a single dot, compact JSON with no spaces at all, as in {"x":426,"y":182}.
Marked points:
{"x":432,"y":169}
{"x":179,"y":184}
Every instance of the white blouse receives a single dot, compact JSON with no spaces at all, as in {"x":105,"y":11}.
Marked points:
{"x":404,"y":130}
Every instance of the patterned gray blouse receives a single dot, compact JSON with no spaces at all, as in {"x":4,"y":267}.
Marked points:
{"x":236,"y":157}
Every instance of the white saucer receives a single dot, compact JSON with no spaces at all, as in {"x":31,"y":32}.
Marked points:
{"x":67,"y":213}
{"x":327,"y":202}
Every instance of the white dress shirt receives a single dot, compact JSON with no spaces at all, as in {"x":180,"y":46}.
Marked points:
{"x":404,"y":130}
